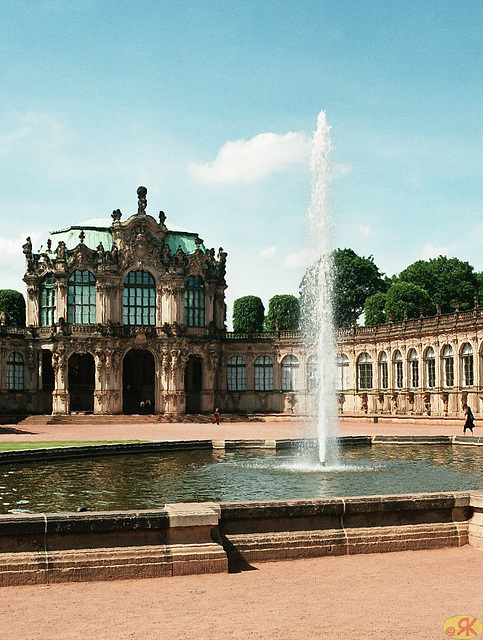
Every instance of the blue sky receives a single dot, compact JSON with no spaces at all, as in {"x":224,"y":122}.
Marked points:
{"x":212,"y":105}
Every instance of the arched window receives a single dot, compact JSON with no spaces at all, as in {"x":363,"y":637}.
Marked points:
{"x":15,"y":372}
{"x":413,"y":369}
{"x":364,"y":371}
{"x":430,"y":362}
{"x":448,"y":366}
{"x":342,"y":364}
{"x":81,"y":298}
{"x":47,"y":301}
{"x":383,"y":371}
{"x":139,"y":299}
{"x":236,"y":374}
{"x":312,"y":376}
{"x":263,"y":374}
{"x":398,"y":370}
{"x":194,"y":302}
{"x":290,"y":374}
{"x":467,"y":366}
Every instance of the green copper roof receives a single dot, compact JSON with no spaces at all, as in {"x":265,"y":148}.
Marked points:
{"x":97,"y":230}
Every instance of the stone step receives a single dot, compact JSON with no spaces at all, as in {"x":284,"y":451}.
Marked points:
{"x":90,"y":419}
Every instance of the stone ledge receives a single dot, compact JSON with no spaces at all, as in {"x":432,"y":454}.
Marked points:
{"x":187,"y":538}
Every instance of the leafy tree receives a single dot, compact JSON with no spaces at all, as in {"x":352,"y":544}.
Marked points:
{"x":407,"y":298}
{"x":479,"y":279}
{"x":374,"y":310}
{"x":248,"y":314}
{"x":447,"y":281}
{"x":355,"y":279}
{"x":283,"y":313}
{"x":12,"y":307}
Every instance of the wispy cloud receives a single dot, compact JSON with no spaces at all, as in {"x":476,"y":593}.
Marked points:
{"x":245,"y":161}
{"x":431,"y":251}
{"x":268,"y":253}
{"x":299,"y":260}
{"x":12,"y":260}
{"x":35,"y":131}
{"x":364,"y":229}
{"x":341,"y":169}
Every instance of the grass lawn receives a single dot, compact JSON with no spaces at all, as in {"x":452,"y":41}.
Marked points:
{"x":17,"y":446}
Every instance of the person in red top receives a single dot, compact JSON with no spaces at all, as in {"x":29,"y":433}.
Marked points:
{"x":216,"y":417}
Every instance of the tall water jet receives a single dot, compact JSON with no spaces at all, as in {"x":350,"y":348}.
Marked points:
{"x":317,"y":314}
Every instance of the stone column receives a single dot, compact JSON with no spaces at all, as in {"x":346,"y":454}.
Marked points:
{"x":209,"y":315}
{"x":162,"y":382}
{"x":210,"y":370}
{"x":168,"y":305}
{"x":60,"y":395}
{"x":61,"y":299}
{"x":33,"y":293}
{"x":108,"y":302}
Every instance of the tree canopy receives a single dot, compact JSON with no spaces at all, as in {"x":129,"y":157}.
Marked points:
{"x":283,"y":313}
{"x":375,"y":310}
{"x":248,"y":314}
{"x":447,"y":281}
{"x":355,"y":279}
{"x":405,"y":300}
{"x":12,"y":307}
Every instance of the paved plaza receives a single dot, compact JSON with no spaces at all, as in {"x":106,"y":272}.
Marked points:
{"x":400,"y":595}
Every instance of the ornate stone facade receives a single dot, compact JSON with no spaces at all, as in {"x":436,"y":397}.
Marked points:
{"x":126,"y":313}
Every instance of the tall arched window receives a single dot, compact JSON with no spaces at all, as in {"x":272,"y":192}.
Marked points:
{"x":413,"y":369}
{"x":263,"y":374}
{"x":467,"y":366}
{"x":312,"y":375}
{"x":342,"y":364}
{"x":15,"y":372}
{"x":194,"y":302}
{"x":448,"y":366}
{"x":81,"y":298}
{"x":290,"y":373}
{"x":47,"y":301}
{"x":430,"y":363}
{"x":364,"y":371}
{"x":139,"y":299}
{"x":398,"y":370}
{"x":236,"y":374}
{"x":383,"y":371}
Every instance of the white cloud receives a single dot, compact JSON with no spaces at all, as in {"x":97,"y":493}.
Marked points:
{"x":244,"y":161}
{"x":341,"y":170}
{"x":365,"y":229}
{"x":299,"y":260}
{"x":12,"y":260}
{"x":268,"y":253}
{"x":430,"y":251}
{"x":32,"y":132}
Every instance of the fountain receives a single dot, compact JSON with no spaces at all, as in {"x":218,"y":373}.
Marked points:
{"x":317,"y":324}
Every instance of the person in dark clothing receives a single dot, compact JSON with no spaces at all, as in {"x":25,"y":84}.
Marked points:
{"x":216,"y":417}
{"x":470,"y":420}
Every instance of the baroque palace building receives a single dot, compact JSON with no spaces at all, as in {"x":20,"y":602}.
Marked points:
{"x":121,"y":313}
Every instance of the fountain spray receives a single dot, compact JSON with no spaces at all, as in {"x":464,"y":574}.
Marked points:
{"x":317,"y":324}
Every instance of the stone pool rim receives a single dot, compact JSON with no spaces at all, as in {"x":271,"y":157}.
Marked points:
{"x":46,"y":454}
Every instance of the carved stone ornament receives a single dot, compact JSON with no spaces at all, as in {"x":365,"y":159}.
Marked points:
{"x":142,"y":200}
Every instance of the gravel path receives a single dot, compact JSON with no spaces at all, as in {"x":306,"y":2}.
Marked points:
{"x":408,"y":594}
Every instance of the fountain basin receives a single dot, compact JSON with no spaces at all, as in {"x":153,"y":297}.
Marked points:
{"x":195,"y":538}
{"x":226,"y":535}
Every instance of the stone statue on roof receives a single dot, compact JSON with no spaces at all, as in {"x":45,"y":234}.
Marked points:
{"x":142,"y":200}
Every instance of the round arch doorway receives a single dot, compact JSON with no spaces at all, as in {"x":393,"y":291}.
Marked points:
{"x":138,"y":382}
{"x":81,"y":382}
{"x":193,"y":384}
